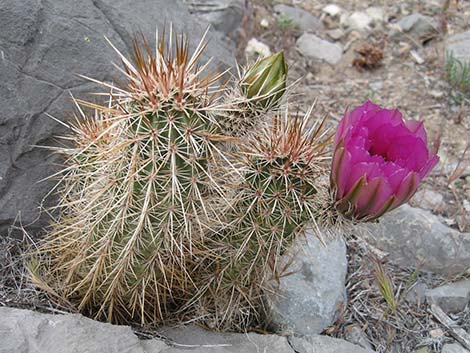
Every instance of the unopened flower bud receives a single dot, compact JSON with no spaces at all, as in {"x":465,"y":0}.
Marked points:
{"x":264,"y":82}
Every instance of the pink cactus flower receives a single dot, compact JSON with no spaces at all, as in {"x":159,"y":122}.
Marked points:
{"x":379,"y":160}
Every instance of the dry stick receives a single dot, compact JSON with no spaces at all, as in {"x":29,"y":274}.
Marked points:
{"x":457,"y":332}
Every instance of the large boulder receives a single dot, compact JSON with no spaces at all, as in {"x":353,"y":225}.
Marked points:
{"x":24,"y":331}
{"x":44,"y":45}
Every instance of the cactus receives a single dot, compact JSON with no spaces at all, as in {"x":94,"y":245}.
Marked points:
{"x":159,"y":221}
{"x":284,"y":186}
{"x":134,"y":196}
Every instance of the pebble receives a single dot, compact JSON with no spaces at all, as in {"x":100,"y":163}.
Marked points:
{"x":332,"y":10}
{"x":452,"y":297}
{"x":314,"y":47}
{"x":335,"y":34}
{"x":303,"y":19}
{"x":355,"y":335}
{"x":376,"y":15}
{"x":256,"y":48}
{"x":428,"y":199}
{"x":359,"y":21}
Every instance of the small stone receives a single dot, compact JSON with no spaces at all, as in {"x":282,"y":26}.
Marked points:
{"x":436,"y":333}
{"x":416,"y":57}
{"x":436,"y":94}
{"x":459,"y":46}
{"x":376,"y":86}
{"x":332,"y":10}
{"x":416,"y":294}
{"x":376,"y":14}
{"x":466,"y":205}
{"x":314,"y":47}
{"x":264,"y":23}
{"x":418,"y":26}
{"x":452,"y":297}
{"x":422,"y":350}
{"x":310,"y":298}
{"x":428,"y":199}
{"x":303,"y":19}
{"x":359,"y":21}
{"x":335,"y":34}
{"x":255,"y":48}
{"x":355,"y":335}
{"x":453,"y":348}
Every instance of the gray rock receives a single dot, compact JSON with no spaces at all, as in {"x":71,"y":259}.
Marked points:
{"x":194,"y":336}
{"x":355,"y":335}
{"x":416,"y":294}
{"x":453,"y":348}
{"x":416,"y":237}
{"x":324,"y":344}
{"x":428,"y":199}
{"x":304,"y":20}
{"x":25,"y":331}
{"x":310,"y":298}
{"x":452,"y":297}
{"x":225,"y":16}
{"x":459,"y":46}
{"x":416,"y":25}
{"x":335,"y":34}
{"x":314,"y":47}
{"x":43,"y":46}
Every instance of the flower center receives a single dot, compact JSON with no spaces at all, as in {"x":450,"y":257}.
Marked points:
{"x":375,"y":152}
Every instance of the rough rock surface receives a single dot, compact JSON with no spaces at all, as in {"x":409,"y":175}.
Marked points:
{"x":453,"y":348}
{"x":452,"y":297}
{"x":225,"y":16}
{"x":310,"y":298}
{"x":24,"y":331}
{"x":416,"y":237}
{"x":43,"y":46}
{"x":304,"y":20}
{"x":324,"y":344}
{"x":418,"y":26}
{"x":314,"y":47}
{"x":459,"y":46}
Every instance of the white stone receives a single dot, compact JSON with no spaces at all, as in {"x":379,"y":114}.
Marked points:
{"x":332,"y":10}
{"x":264,"y":23}
{"x":376,"y":14}
{"x":256,"y":48}
{"x":359,"y":21}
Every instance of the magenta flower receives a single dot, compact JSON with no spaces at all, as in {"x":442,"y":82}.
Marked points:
{"x":378,"y":162}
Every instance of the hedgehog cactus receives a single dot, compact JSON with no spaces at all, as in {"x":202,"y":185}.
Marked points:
{"x":134,"y":195}
{"x":284,"y":186}
{"x":157,"y":220}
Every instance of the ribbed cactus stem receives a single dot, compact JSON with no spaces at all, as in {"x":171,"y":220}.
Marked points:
{"x":283,"y":187}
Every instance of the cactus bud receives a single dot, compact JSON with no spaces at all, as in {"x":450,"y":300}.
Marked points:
{"x":264,"y":82}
